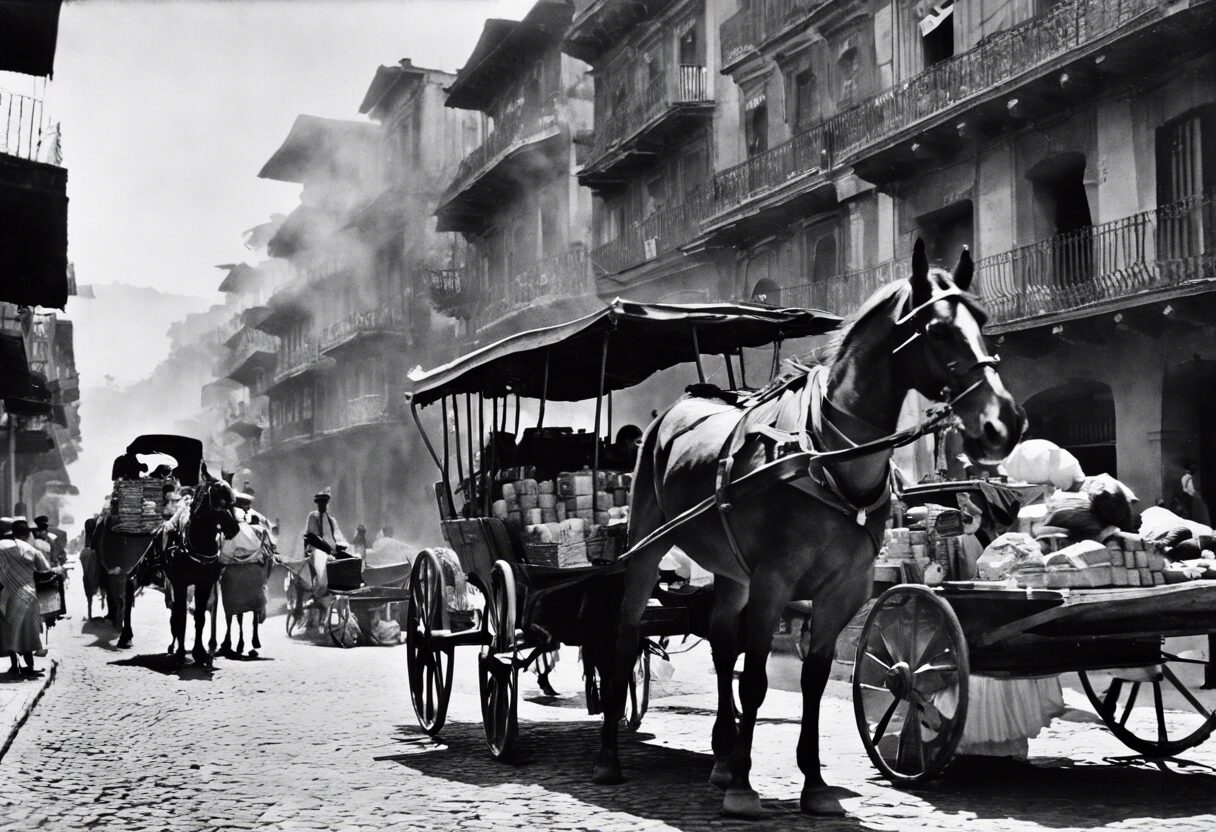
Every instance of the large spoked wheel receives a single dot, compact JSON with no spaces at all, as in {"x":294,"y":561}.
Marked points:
{"x":910,"y":684}
{"x":1150,"y":730}
{"x":429,"y":666}
{"x":498,"y":665}
{"x":638,"y":698}
{"x":337,"y":623}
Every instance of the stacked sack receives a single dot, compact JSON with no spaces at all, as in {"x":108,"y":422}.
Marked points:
{"x":139,"y":504}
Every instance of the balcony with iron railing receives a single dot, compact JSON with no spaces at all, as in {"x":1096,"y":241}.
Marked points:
{"x":278,"y":434}
{"x":1165,"y":250}
{"x":745,"y":32}
{"x":383,"y":321}
{"x":26,"y":131}
{"x":299,"y":360}
{"x":650,"y":238}
{"x":562,"y":276}
{"x":1156,"y":252}
{"x":250,"y":354}
{"x":246,"y":420}
{"x":646,"y":116}
{"x":369,"y":409}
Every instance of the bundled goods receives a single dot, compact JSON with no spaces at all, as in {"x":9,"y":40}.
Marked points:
{"x":139,"y":504}
{"x":1006,"y":555}
{"x":1073,"y":512}
{"x":1043,"y":462}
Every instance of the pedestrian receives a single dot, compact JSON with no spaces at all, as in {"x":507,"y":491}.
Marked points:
{"x":1193,"y":490}
{"x":358,"y":546}
{"x":322,"y":538}
{"x":55,"y":539}
{"x":20,"y":632}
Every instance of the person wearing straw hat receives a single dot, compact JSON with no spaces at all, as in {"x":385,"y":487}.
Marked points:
{"x":322,"y":538}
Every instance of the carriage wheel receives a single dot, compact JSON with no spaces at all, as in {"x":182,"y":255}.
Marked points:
{"x":498,"y":665}
{"x":429,"y":667}
{"x":337,"y":622}
{"x":638,"y":698}
{"x":1152,"y":737}
{"x":910,"y":684}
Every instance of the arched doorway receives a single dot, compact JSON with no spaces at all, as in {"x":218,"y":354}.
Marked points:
{"x":766,"y":291}
{"x":1080,"y":417}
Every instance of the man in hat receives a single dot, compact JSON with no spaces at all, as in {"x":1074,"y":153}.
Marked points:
{"x":20,"y":632}
{"x":322,"y":538}
{"x":55,"y":550}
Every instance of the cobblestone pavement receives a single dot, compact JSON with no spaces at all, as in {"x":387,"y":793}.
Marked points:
{"x":312,"y":737}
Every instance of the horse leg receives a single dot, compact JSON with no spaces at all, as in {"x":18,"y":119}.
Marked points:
{"x":730,"y":598}
{"x":240,"y":628}
{"x":770,"y":591}
{"x":226,"y":644}
{"x":202,"y":595}
{"x":126,"y":635}
{"x":639,"y":579}
{"x":257,"y":645}
{"x":177,"y":621}
{"x":831,"y":611}
{"x":213,"y":606}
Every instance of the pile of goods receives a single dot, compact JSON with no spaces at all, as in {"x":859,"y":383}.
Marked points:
{"x":1124,"y":560}
{"x":574,"y":520}
{"x":928,"y":539}
{"x":140,"y":504}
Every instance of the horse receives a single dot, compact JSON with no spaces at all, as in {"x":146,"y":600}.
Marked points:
{"x":923,"y":333}
{"x":92,"y":575}
{"x":187,"y":548}
{"x":118,"y":556}
{"x":243,"y":590}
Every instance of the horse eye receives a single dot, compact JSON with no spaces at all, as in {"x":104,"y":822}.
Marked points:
{"x":938,"y":331}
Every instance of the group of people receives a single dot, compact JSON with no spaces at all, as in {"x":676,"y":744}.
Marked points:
{"x":26,"y":555}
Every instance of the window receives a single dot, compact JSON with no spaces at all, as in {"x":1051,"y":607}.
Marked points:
{"x":1186,"y":169}
{"x":612,"y":220}
{"x":689,"y":44}
{"x":937,"y":32}
{"x":755,"y":125}
{"x":848,"y":70}
{"x":550,"y":232}
{"x":655,"y":196}
{"x":694,"y":167}
{"x":803,"y":99}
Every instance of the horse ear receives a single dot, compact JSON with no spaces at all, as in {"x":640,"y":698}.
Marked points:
{"x":921,"y":289}
{"x":965,"y":270}
{"x":204,"y":474}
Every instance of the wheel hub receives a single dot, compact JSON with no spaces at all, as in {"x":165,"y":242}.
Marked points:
{"x":899,"y":680}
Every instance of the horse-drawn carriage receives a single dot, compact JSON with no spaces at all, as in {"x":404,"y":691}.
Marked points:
{"x":538,"y":595}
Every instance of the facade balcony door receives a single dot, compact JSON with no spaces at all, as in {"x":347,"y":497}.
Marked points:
{"x":1063,"y":213}
{"x":1186,"y":172}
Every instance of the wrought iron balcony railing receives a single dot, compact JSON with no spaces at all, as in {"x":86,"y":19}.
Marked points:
{"x":688,"y":84}
{"x":370,"y":409}
{"x":26,"y":131}
{"x":745,"y":31}
{"x":282,"y":432}
{"x":1156,"y":249}
{"x":247,"y":344}
{"x":508,"y":131}
{"x":559,"y":277}
{"x":385,"y":319}
{"x":295,"y":360}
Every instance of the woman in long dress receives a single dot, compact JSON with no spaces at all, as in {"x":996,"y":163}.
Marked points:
{"x":20,"y":632}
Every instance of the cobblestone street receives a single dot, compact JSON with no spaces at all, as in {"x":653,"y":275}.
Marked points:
{"x":312,"y":737}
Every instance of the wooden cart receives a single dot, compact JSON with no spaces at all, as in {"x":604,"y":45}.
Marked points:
{"x":920,"y":645}
{"x":531,"y":608}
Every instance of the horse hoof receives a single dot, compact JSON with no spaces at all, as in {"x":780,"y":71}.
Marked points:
{"x":253,"y":654}
{"x":720,"y":776}
{"x":123,"y":643}
{"x":605,"y":775}
{"x":742,"y":803}
{"x":821,"y":802}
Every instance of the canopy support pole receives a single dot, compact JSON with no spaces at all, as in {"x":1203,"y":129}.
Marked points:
{"x":489,"y":495}
{"x":742,"y":370}
{"x":471,"y":491}
{"x":518,"y":402}
{"x":544,"y":394}
{"x":599,"y":402}
{"x":730,"y":371}
{"x":447,"y":488}
{"x":608,"y":435}
{"x":696,"y":354}
{"x":772,"y":373}
{"x":426,"y":440}
{"x":459,"y":449}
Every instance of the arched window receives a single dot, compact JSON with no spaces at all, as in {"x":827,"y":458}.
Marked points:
{"x":766,"y":291}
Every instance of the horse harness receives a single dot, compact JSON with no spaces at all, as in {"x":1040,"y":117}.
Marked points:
{"x":794,"y":449}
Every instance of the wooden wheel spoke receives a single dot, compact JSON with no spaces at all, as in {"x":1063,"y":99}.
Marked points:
{"x":1131,"y":700}
{"x":1112,"y":697}
{"x":911,"y":743}
{"x":881,"y":728}
{"x":878,"y":688}
{"x":934,"y":678}
{"x":1185,"y":691}
{"x":1162,"y":734}
{"x":877,"y":660}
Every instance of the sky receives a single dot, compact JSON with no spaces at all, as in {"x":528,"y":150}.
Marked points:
{"x":170,"y":107}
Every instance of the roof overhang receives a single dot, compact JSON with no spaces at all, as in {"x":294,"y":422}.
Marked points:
{"x":314,"y":143}
{"x":29,"y":32}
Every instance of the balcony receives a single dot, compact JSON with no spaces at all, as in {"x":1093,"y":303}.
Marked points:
{"x":280,"y":434}
{"x":453,"y":292}
{"x":756,"y":196}
{"x":25,"y":130}
{"x":251,"y":354}
{"x":1165,"y":252}
{"x":562,"y":277}
{"x":525,"y":141}
{"x":841,"y":294}
{"x":749,"y":29}
{"x":245,"y":421}
{"x":646,"y":121}
{"x":300,"y":360}
{"x":385,"y":322}
{"x":649,"y":239}
{"x":371,"y":409}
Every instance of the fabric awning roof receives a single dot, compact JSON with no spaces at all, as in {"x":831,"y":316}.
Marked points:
{"x":187,"y":451}
{"x":644,"y":338}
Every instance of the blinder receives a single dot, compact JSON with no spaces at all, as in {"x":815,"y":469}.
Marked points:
{"x":954,"y":391}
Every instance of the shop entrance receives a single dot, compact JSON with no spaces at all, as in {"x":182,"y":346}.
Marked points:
{"x":1080,"y":417}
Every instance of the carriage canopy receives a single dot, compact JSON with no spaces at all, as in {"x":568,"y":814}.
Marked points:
{"x":563,"y":362}
{"x":185,"y":450}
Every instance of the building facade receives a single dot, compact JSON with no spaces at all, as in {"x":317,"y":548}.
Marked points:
{"x":521,"y":258}
{"x":38,"y":379}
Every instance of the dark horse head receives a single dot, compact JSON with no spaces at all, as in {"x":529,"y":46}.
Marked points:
{"x":212,"y":510}
{"x":941,"y":351}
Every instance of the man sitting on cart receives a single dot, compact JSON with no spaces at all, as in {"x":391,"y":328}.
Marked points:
{"x":322,"y":539}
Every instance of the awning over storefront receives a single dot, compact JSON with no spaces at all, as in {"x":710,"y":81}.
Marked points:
{"x":24,"y":393}
{"x":29,"y":30}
